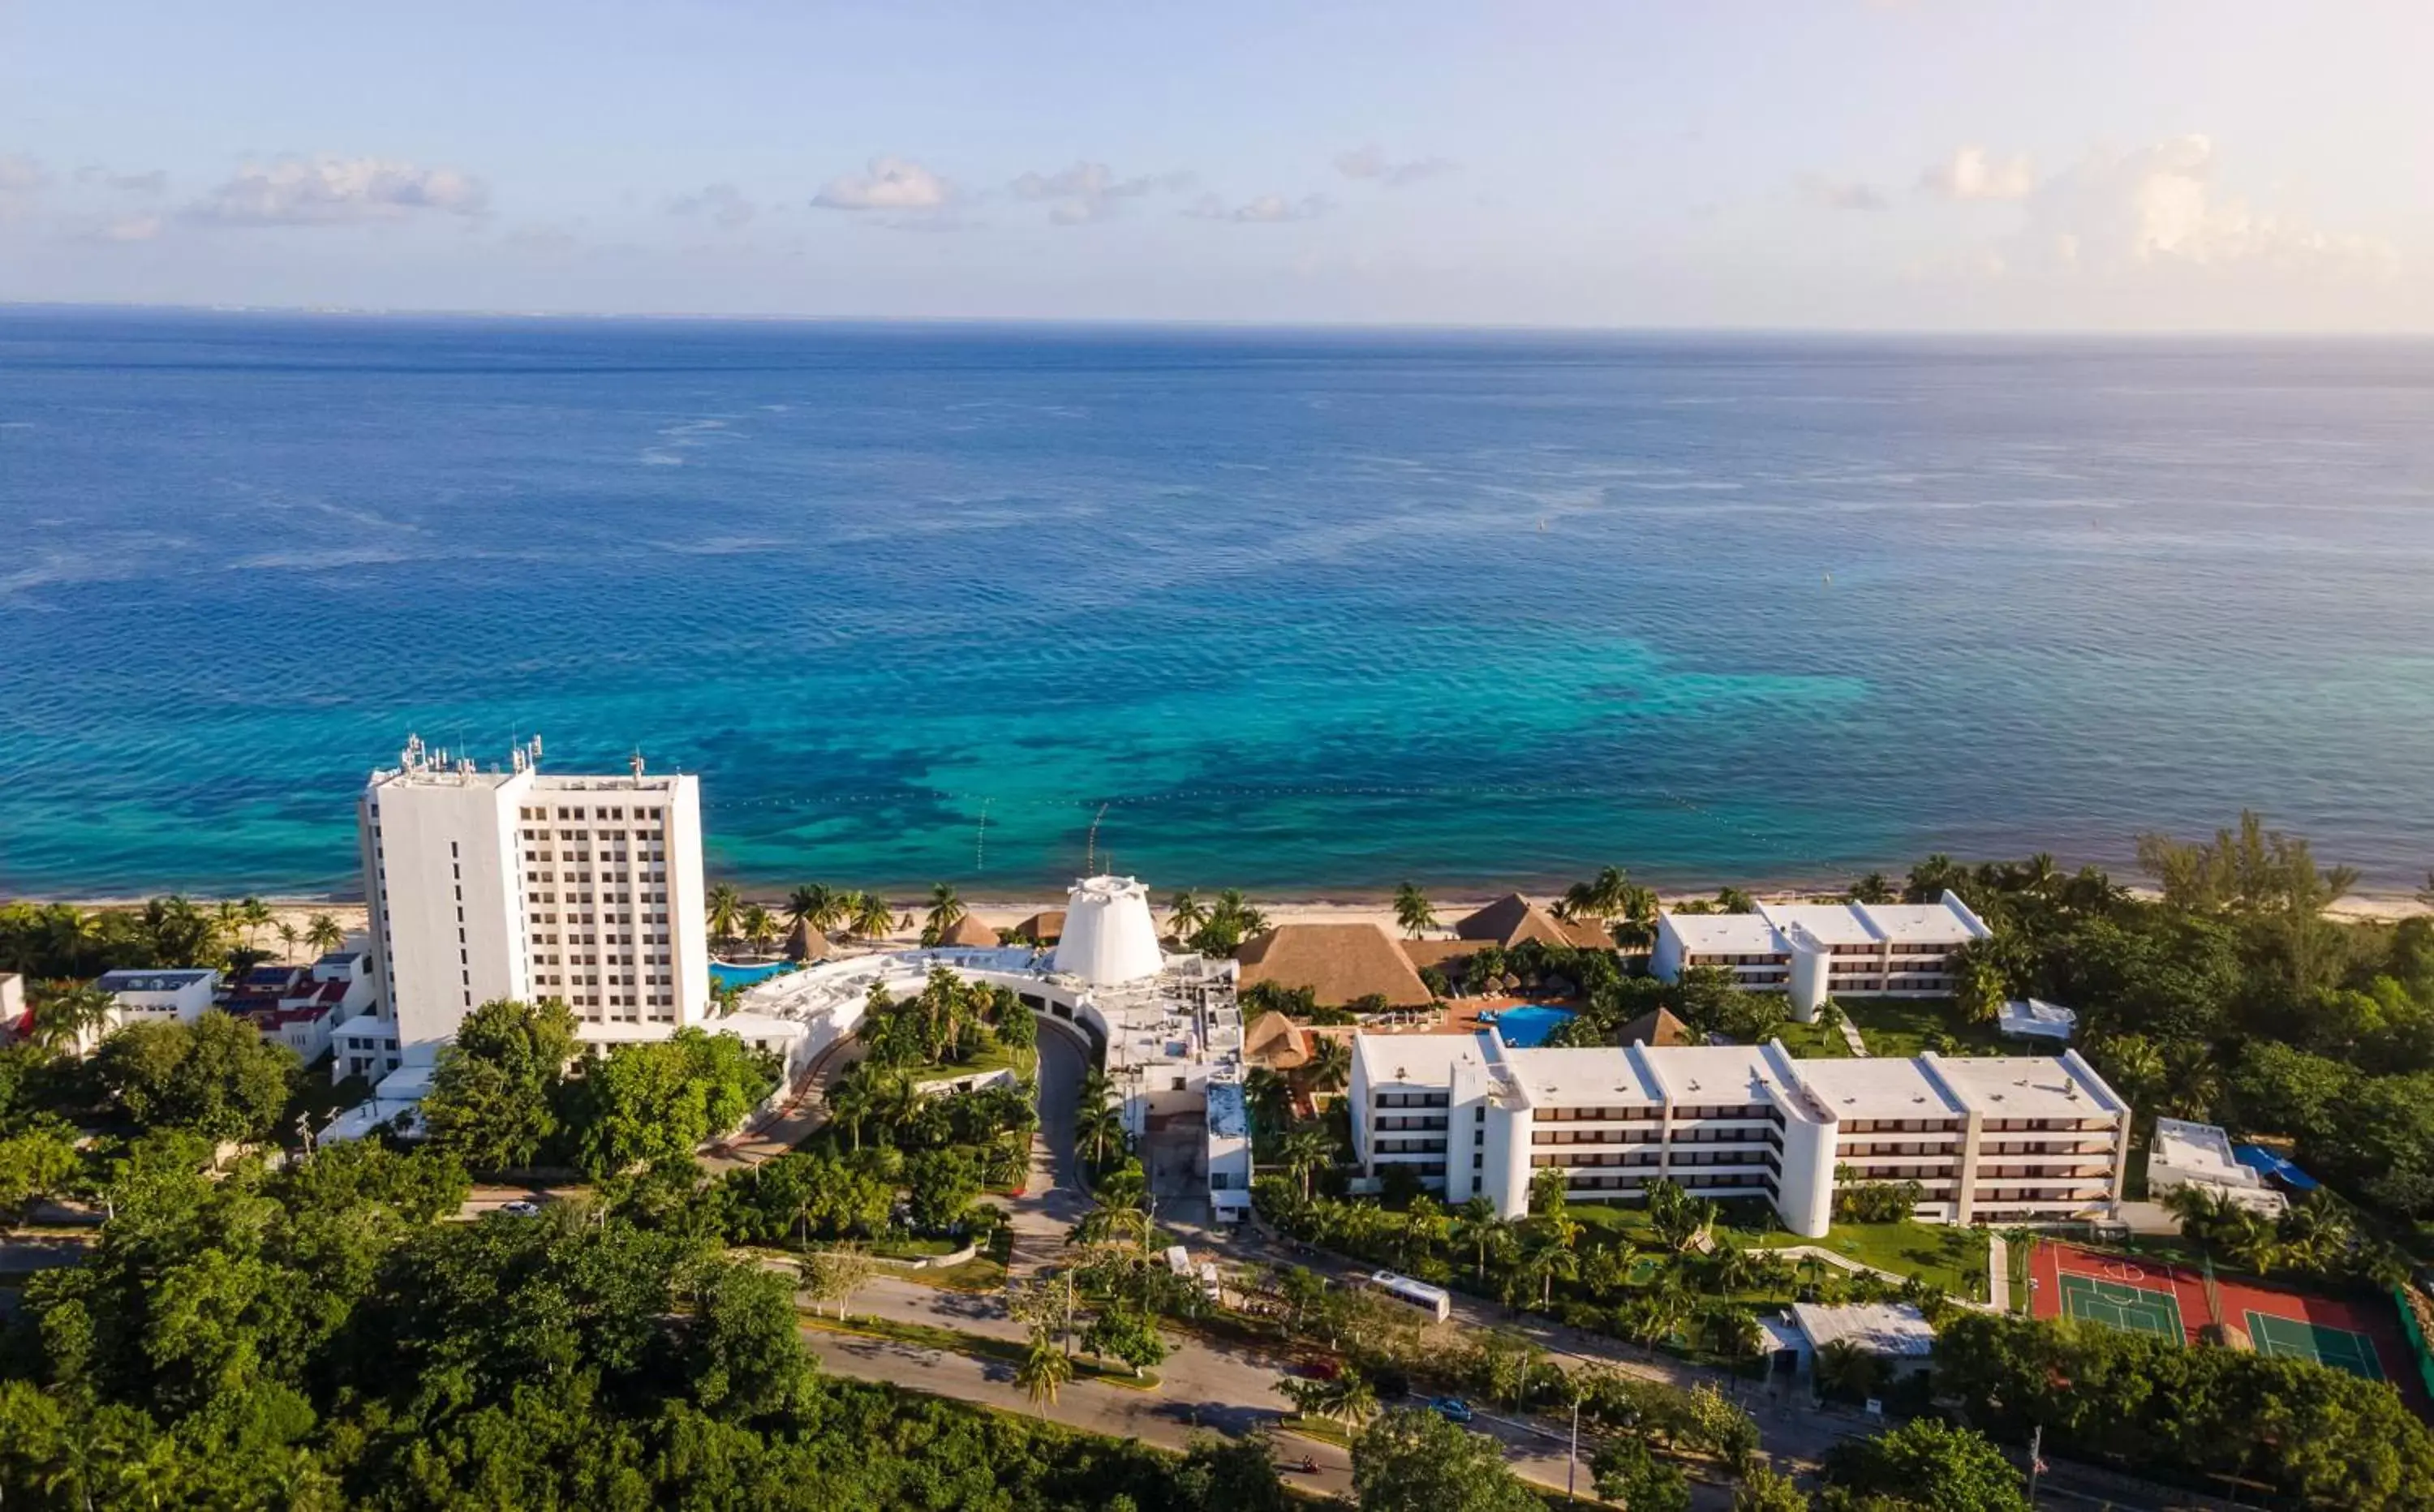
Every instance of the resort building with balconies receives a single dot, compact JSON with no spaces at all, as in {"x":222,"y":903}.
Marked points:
{"x":1811,"y":951}
{"x":2004,"y":1140}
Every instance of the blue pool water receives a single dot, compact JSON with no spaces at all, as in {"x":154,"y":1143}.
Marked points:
{"x":1527,"y":1027}
{"x":723,"y":974}
{"x":1307,"y":612}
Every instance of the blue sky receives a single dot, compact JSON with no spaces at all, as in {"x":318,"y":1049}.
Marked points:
{"x":1839,"y":163}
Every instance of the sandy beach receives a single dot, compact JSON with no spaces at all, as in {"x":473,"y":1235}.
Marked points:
{"x":299,"y":912}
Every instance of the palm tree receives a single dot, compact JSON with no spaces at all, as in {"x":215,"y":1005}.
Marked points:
{"x":1873,"y":888}
{"x":852,"y":1102}
{"x":946,"y":911}
{"x":1044,"y":1371}
{"x":323,"y":933}
{"x":1331,"y":1062}
{"x":759,"y":926}
{"x":287,"y":937}
{"x":1412,"y":910}
{"x":1305,"y":1153}
{"x":1844,"y":1370}
{"x":1480,"y":1227}
{"x":253,"y":913}
{"x":64,"y":1014}
{"x":723,"y":909}
{"x":1099,"y":1131}
{"x":1269,"y":1095}
{"x":812,"y":908}
{"x":1349,"y":1398}
{"x":1185,"y":914}
{"x":871,"y":918}
{"x":1546,"y":1258}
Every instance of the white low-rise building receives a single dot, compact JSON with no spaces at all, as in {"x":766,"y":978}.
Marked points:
{"x":1895,"y":1333}
{"x":166,"y":996}
{"x":2033,"y":1018}
{"x":2009,"y":1140}
{"x":1811,"y":951}
{"x":2200,"y":1155}
{"x":1169,"y":1041}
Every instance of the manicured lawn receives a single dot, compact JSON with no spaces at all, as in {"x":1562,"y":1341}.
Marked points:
{"x":1023,"y":1063}
{"x":1951,"y":1257}
{"x":1811,"y":1040}
{"x":955,"y":1341}
{"x":1900,"y":1026}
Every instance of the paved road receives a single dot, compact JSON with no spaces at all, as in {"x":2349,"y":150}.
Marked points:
{"x":1201,"y":1386}
{"x":1054,"y":1200}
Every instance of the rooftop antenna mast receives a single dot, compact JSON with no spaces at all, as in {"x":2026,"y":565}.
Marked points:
{"x":1091,"y":854}
{"x":980,"y":840}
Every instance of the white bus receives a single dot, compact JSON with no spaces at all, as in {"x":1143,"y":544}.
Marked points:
{"x":1434,"y":1300}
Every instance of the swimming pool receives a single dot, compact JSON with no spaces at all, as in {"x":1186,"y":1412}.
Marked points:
{"x":1527,"y":1027}
{"x":723,"y":974}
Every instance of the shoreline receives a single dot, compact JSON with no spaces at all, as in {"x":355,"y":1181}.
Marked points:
{"x":1344,"y":905}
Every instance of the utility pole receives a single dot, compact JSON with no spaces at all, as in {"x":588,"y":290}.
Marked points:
{"x":2037,"y":1460}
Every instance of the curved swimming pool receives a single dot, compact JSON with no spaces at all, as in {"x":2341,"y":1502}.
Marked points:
{"x":723,"y":974}
{"x":1526,"y":1027}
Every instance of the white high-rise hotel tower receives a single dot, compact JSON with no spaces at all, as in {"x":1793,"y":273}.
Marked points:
{"x":528,"y":885}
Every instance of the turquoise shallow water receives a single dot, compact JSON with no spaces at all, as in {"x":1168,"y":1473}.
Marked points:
{"x":1305,"y":612}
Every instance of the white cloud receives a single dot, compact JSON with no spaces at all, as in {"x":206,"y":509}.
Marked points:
{"x":333,"y":191}
{"x":153,"y":183}
{"x":20,"y":179}
{"x":1090,"y":191}
{"x":1265,"y":210}
{"x":113,"y":228}
{"x":2158,"y":205}
{"x":1837,"y":195}
{"x":892,"y":183}
{"x":1971,"y":173}
{"x":722,"y":203}
{"x":1370,"y":161}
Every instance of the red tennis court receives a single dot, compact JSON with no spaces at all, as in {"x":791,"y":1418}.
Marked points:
{"x":2141,"y":1294}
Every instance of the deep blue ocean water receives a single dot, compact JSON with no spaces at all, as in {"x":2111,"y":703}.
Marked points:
{"x":1307,"y":612}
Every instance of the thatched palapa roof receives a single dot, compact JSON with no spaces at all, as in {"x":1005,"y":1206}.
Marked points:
{"x":1513,"y":918}
{"x":1339,"y":963}
{"x":1657,"y":1027}
{"x":1047,"y":927}
{"x":968,"y":931}
{"x":1275,"y":1040}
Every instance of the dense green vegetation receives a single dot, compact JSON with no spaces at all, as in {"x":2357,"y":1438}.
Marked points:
{"x":510,"y":1091}
{"x":316,"y":1337}
{"x":2149,"y":1405}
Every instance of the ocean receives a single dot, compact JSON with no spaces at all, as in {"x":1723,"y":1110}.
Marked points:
{"x":1309,"y":613}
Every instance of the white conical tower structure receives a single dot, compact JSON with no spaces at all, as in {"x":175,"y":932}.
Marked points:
{"x":1109,"y":937}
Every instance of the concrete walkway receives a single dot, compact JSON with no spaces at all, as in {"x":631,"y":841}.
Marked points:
{"x":1999,"y":1273}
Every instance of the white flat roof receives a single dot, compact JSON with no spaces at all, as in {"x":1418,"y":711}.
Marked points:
{"x":2202,"y":1149}
{"x":1895,"y":1329}
{"x":1835,"y":924}
{"x":2035,"y":1016}
{"x":1879,"y":1087}
{"x":1713,"y":1073}
{"x":1933,"y":923}
{"x":1415,"y":1059}
{"x":2014,"y":1086}
{"x":1582,"y":1078}
{"x":1727,"y":934}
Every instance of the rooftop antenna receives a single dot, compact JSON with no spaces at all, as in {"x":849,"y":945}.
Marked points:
{"x":980,"y":840}
{"x":1090,"y":855}
{"x":637,"y":762}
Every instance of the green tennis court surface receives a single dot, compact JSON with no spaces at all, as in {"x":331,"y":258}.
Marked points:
{"x":2118,"y":1304}
{"x":2336,"y":1347}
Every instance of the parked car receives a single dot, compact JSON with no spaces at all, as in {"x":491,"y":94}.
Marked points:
{"x":521,"y":1209}
{"x":1453,"y":1409}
